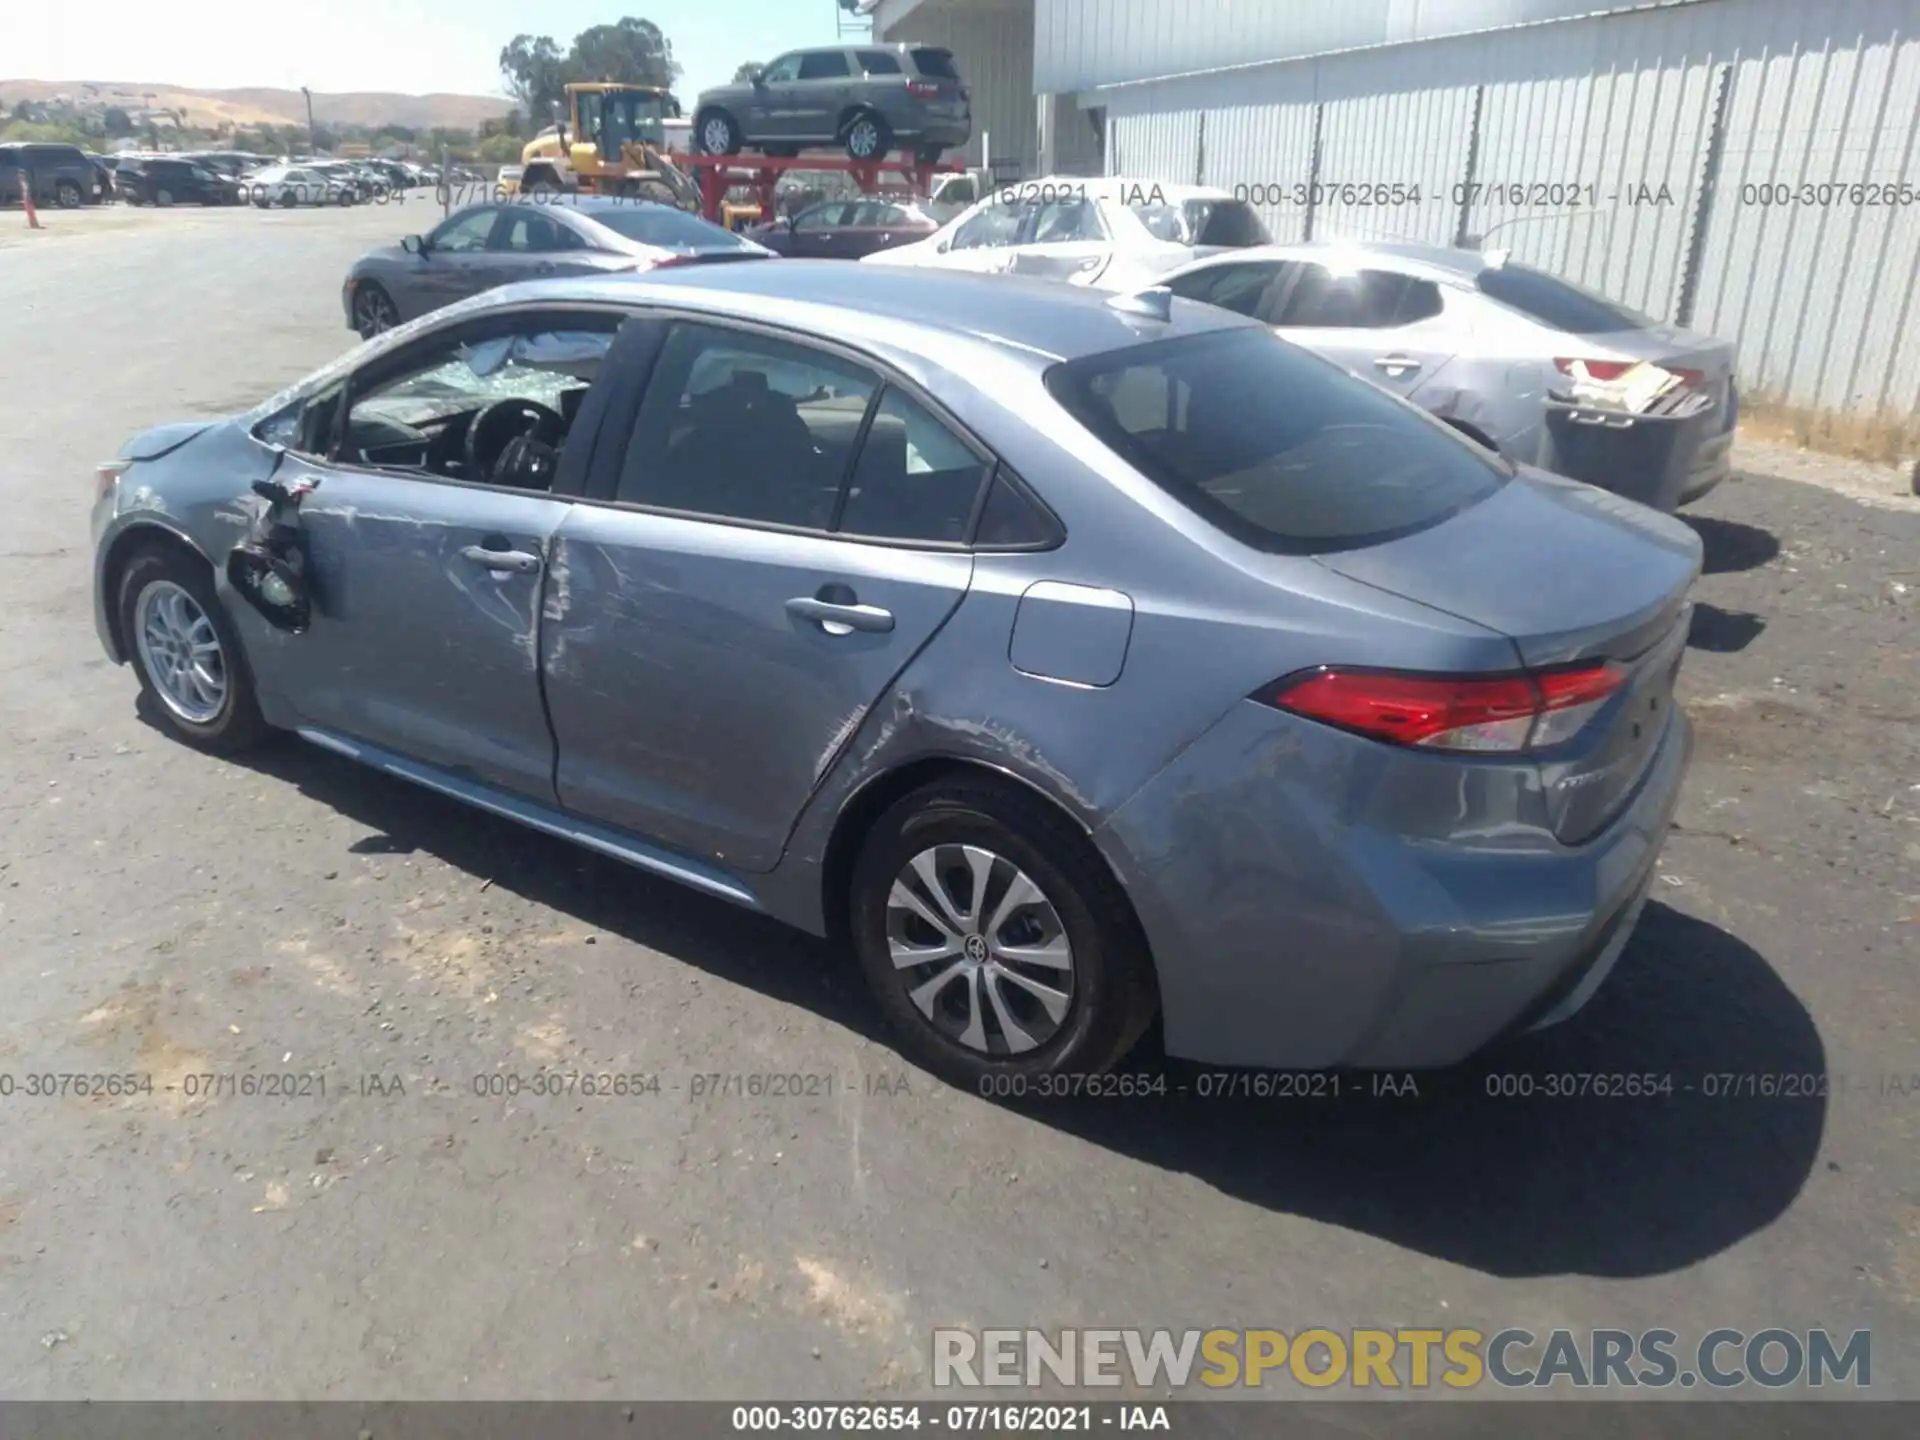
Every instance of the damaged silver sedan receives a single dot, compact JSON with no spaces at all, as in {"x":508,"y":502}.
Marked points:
{"x":1532,"y":366}
{"x":1006,"y":630}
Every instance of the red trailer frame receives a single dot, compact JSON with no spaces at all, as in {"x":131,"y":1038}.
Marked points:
{"x":717,"y":174}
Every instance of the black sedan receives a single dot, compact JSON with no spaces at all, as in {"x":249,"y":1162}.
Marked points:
{"x":175,"y":182}
{"x":847,"y":229}
{"x":483,"y":246}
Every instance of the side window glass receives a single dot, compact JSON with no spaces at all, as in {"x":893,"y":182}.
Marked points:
{"x":426,"y":415}
{"x":1369,"y":300}
{"x":528,"y":231}
{"x":744,"y":427}
{"x":915,"y":480}
{"x":824,"y":65}
{"x":1062,"y":221}
{"x":463,"y":234}
{"x":1010,"y":521}
{"x":1419,"y":301}
{"x":787,"y":67}
{"x":1242,"y":289}
{"x":996,"y":224}
{"x":824,"y":217}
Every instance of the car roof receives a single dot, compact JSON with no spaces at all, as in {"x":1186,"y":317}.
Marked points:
{"x":1113,"y":187}
{"x":1039,"y":320}
{"x":1427,"y":262}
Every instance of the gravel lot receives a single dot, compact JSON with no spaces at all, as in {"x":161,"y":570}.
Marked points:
{"x":168,"y":913}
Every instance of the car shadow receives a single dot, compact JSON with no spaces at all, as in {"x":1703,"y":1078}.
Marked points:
{"x":1463,"y":1164}
{"x":1731,"y":546}
{"x":1724,"y":632}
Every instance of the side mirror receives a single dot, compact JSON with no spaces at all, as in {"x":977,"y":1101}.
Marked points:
{"x":414,"y":245}
{"x":759,"y":79}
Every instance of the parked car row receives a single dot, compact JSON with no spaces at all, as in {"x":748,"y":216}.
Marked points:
{"x":67,"y":176}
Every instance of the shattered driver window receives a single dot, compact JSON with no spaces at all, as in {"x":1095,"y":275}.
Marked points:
{"x":543,"y":366}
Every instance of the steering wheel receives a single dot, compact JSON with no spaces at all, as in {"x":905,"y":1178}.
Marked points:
{"x":505,"y":421}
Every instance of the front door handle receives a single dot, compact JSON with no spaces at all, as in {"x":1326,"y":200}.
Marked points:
{"x":841,"y":619}
{"x":512,"y":562}
{"x":1397,"y":365}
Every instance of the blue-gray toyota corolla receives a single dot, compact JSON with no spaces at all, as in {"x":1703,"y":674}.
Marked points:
{"x":1075,"y":658}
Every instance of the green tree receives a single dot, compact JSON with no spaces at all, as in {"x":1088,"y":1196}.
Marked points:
{"x":633,"y":52}
{"x":499,"y":150}
{"x":534,"y":69}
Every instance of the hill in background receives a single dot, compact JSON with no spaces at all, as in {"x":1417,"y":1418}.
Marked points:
{"x":267,"y":106}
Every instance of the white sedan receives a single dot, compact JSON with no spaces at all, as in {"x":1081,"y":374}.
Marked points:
{"x":1111,"y":232}
{"x":290,"y":185}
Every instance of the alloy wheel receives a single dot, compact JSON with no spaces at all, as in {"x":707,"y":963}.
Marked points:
{"x":716,"y":136}
{"x":863,"y":139}
{"x":980,"y":949}
{"x":180,"y":651}
{"x":373,"y":312}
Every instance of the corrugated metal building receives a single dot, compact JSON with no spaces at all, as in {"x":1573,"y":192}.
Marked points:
{"x":1749,"y":166}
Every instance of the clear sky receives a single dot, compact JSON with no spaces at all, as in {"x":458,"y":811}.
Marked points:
{"x":415,"y":46}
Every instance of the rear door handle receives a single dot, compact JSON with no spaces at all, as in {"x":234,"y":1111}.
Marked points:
{"x":514,"y":562}
{"x":1397,"y":365}
{"x":841,"y":619}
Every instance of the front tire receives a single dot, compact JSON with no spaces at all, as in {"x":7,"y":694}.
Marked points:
{"x":717,"y":133}
{"x":163,"y":197}
{"x":373,"y":310}
{"x":995,"y":939}
{"x":929,"y":154}
{"x":187,"y":655}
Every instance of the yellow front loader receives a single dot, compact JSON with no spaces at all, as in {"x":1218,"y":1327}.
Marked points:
{"x":612,"y":141}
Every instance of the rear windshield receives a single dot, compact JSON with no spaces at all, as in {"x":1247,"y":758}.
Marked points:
{"x":1276,"y":447}
{"x":666,"y":228}
{"x":1558,"y":303}
{"x":936,"y":64}
{"x":1230,"y":223}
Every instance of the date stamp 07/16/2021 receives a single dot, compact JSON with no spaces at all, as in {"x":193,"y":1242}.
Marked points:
{"x":1174,"y":1084}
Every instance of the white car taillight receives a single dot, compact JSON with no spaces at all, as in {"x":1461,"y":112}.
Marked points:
{"x":107,"y":475}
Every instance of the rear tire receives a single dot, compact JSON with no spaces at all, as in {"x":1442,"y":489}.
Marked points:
{"x":158,"y":584}
{"x":163,"y":197}
{"x":67,"y":196}
{"x":976,"y":1011}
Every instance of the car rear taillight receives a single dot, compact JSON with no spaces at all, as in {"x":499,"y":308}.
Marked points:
{"x":1473,"y":713}
{"x":1604,"y":370}
{"x":923,"y":90}
{"x":107,"y":475}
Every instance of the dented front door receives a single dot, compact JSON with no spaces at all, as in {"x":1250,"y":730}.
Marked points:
{"x":425,"y":630}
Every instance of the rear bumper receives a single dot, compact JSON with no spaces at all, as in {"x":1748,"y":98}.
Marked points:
{"x":1712,"y":464}
{"x":932,"y":129}
{"x":1290,"y":928}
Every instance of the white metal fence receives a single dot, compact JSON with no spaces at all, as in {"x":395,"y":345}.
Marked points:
{"x":1749,"y":167}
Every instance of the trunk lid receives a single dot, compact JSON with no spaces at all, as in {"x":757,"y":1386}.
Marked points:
{"x":1569,"y":573}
